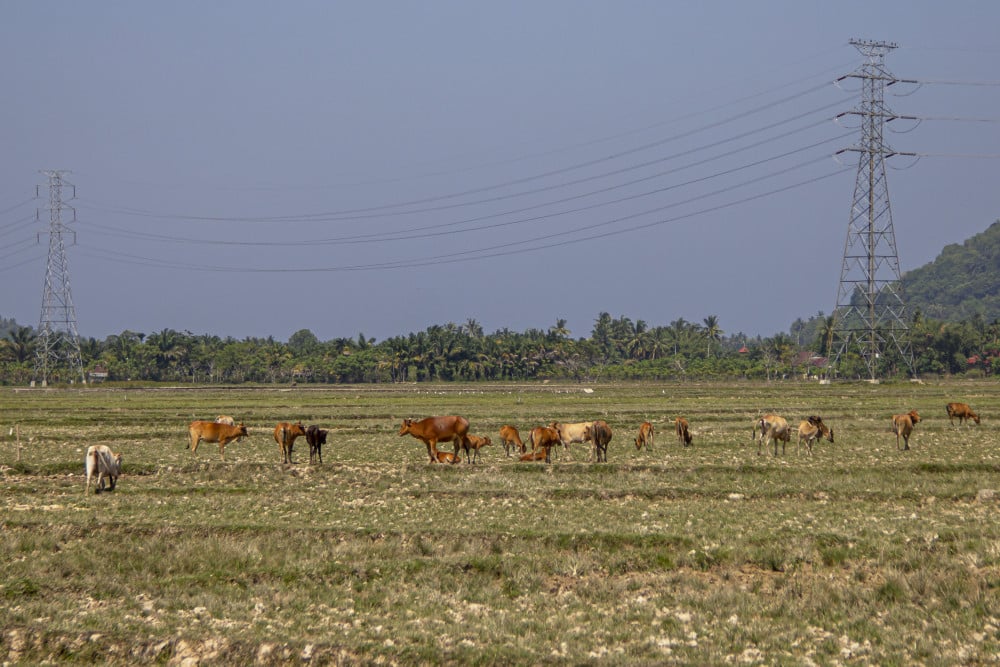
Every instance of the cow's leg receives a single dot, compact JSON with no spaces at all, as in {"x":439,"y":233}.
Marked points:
{"x":431,"y":450}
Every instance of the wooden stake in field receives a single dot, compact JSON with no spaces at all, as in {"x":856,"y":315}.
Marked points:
{"x":16,"y":428}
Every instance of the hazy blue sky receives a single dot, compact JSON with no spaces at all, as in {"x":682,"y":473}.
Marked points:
{"x":252,"y":168}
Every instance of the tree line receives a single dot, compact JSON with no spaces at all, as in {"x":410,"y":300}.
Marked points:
{"x":616,"y":349}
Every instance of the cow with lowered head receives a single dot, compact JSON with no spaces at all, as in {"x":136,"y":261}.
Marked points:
{"x":101,"y":462}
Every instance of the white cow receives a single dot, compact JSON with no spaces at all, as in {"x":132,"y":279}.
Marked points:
{"x":104,"y":463}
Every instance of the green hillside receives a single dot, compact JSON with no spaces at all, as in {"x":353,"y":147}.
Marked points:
{"x":964,"y":280}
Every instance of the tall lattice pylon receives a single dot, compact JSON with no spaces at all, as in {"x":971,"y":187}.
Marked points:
{"x":57,"y":356}
{"x":870,"y":314}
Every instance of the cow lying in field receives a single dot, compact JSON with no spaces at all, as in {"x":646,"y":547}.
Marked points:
{"x":214,"y":432}
{"x":225,"y":419}
{"x":445,"y":457}
{"x":810,"y":430}
{"x":902,"y":426}
{"x":433,"y":430}
{"x":510,"y":438}
{"x":962,"y":411}
{"x":540,"y":455}
{"x":285,"y":434}
{"x":316,"y":437}
{"x":103,"y":463}
{"x":645,"y":437}
{"x":683,"y":434}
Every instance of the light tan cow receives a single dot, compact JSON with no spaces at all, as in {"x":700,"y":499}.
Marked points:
{"x":902,"y":426}
{"x":225,"y":419}
{"x":570,"y":433}
{"x":645,"y":436}
{"x":772,"y":429}
{"x":101,"y":462}
{"x":810,"y":430}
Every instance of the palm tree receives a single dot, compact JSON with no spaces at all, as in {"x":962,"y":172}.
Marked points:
{"x":559,"y":330}
{"x":472,"y":328}
{"x":711,"y":331}
{"x":21,"y":343}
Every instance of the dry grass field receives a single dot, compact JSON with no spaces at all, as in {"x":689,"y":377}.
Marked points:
{"x":857,"y":554}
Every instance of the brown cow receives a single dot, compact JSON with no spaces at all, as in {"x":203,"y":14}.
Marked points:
{"x":600,"y":435}
{"x":683,"y":434}
{"x":433,"y":430}
{"x":213,"y":432}
{"x":446,"y":457}
{"x":962,"y":411}
{"x":544,"y":438}
{"x":772,"y":428}
{"x":645,"y":436}
{"x":511,"y":438}
{"x":316,"y":437}
{"x":285,"y":434}
{"x":542,"y":455}
{"x":472,"y":444}
{"x":902,"y":425}
{"x":810,"y":430}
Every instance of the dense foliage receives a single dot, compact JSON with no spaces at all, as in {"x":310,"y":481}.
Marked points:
{"x":615,"y":349}
{"x":963,"y":281}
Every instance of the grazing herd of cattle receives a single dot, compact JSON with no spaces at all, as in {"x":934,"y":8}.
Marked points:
{"x":106,"y":466}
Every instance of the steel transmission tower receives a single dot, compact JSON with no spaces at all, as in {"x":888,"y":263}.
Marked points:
{"x":870,"y":314}
{"x":58,"y":353}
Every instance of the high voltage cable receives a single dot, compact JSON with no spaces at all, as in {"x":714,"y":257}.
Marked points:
{"x":16,"y":206}
{"x":498,"y":250}
{"x":530,"y":156}
{"x":30,"y":260}
{"x":519,"y":210}
{"x":548,"y":188}
{"x":308,"y":217}
{"x":422,"y":232}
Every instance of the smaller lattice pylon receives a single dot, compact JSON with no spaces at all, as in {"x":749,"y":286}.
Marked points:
{"x":57,"y":355}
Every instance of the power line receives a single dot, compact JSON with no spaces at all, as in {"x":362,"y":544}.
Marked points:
{"x":327,"y":215}
{"x":486,"y":252}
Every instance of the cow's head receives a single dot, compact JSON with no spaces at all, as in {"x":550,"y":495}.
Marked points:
{"x":405,"y":428}
{"x":243,"y":431}
{"x":914,"y":417}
